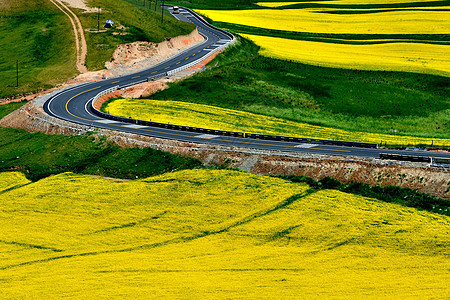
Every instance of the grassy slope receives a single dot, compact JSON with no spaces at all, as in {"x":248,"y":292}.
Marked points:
{"x":215,"y":234}
{"x":142,"y":24}
{"x":38,"y":35}
{"x":406,"y":103}
{"x":39,"y":155}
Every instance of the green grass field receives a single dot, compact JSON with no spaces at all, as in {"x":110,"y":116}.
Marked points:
{"x":214,"y":234}
{"x":39,"y":155}
{"x":141,"y":24}
{"x":40,"y":37}
{"x":378,"y":102}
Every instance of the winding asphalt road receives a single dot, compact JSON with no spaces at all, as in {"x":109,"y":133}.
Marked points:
{"x":73,"y":105}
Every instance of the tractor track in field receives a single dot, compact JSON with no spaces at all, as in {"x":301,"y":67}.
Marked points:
{"x":80,"y":41}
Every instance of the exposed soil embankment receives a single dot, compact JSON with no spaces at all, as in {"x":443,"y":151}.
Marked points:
{"x":133,"y":57}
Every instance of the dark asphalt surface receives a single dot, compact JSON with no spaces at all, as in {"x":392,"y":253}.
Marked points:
{"x":73,"y":105}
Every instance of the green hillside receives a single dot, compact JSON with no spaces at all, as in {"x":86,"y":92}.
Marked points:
{"x":38,"y":35}
{"x":132,"y":22}
{"x":214,"y":234}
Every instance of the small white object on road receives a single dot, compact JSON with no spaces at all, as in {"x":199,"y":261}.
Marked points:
{"x":207,"y":136}
{"x":305,"y":145}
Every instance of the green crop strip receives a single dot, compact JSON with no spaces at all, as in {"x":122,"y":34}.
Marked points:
{"x":365,"y":6}
{"x":353,"y":39}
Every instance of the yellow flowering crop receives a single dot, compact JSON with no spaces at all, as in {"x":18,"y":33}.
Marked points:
{"x":214,"y":234}
{"x":341,"y":2}
{"x":205,"y":116}
{"x":410,"y":57}
{"x":399,"y":55}
{"x":311,"y":20}
{"x":275,"y":4}
{"x":12,"y":179}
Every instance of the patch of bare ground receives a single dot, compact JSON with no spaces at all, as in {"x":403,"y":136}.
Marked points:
{"x":80,"y":41}
{"x":80,"y":4}
{"x":137,"y":56}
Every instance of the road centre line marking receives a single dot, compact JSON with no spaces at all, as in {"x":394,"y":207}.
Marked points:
{"x":178,"y":62}
{"x":67,"y":103}
{"x":116,"y":81}
{"x":154,"y":72}
{"x":167,"y":68}
{"x":135,"y":77}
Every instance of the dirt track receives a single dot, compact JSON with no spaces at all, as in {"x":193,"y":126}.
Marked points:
{"x":80,"y":41}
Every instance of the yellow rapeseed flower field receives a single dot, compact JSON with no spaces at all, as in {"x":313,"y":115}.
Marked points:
{"x":275,"y":4}
{"x":399,"y":55}
{"x":410,"y":57}
{"x":214,"y":234}
{"x":341,"y":2}
{"x":205,"y":116}
{"x":12,"y":179}
{"x":312,"y":20}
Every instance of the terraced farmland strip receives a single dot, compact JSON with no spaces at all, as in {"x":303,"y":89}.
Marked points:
{"x":353,"y":39}
{"x":409,"y":57}
{"x":204,"y":116}
{"x":308,"y":20}
{"x":396,"y":3}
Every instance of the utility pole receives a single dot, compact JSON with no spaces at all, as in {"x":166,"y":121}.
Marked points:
{"x":162,"y":12}
{"x":98,"y":18}
{"x":17,"y":73}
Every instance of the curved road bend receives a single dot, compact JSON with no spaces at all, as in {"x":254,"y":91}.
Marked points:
{"x":74,"y":105}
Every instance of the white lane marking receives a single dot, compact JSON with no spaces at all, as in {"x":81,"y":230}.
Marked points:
{"x":207,"y":136}
{"x":305,"y":145}
{"x":104,"y":121}
{"x":50,"y":100}
{"x":133,"y":126}
{"x":87,"y":110}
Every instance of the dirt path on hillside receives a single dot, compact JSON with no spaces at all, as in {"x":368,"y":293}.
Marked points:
{"x":80,"y":41}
